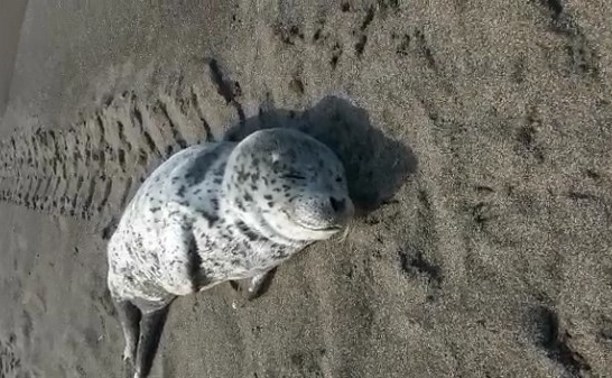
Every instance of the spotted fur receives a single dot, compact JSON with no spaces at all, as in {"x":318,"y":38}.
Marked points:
{"x":223,"y":211}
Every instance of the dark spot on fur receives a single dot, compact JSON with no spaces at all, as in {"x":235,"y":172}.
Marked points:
{"x":270,"y":204}
{"x":246,"y":231}
{"x":200,"y":165}
{"x":247,"y":197}
{"x":242,"y":175}
{"x":155,"y":209}
{"x":242,"y":226}
{"x":212,"y":219}
{"x":181,"y":191}
{"x":239,"y":205}
{"x":268,"y":197}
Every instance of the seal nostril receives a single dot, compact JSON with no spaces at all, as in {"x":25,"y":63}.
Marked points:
{"x":337,"y":205}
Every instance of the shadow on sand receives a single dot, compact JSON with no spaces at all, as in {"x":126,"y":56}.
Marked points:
{"x":376,"y":166}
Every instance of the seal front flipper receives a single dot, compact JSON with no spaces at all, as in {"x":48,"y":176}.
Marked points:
{"x":257,"y":285}
{"x":151,"y":329}
{"x":260,"y":284}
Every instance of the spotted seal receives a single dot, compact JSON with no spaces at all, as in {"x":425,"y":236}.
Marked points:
{"x":217,"y":212}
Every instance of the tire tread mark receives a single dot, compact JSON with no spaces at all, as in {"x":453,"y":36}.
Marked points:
{"x":196,"y":104}
{"x":90,"y":196}
{"x":106,"y":194}
{"x":126,"y":193}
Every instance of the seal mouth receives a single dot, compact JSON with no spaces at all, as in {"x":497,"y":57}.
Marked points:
{"x":331,"y":228}
{"x":335,"y":227}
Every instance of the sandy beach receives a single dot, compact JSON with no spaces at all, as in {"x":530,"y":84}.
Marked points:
{"x":477,"y":139}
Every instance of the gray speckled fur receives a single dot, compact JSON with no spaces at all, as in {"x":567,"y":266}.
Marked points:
{"x":221,"y":211}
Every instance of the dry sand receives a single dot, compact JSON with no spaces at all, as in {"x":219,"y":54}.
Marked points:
{"x":477,"y":136}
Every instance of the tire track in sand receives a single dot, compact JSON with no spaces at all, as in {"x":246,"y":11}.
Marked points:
{"x":90,"y":169}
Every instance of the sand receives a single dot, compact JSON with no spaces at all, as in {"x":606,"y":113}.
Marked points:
{"x":477,"y":139}
{"x":10,"y":27}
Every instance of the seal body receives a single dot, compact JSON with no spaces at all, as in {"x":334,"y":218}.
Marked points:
{"x":217,"y":212}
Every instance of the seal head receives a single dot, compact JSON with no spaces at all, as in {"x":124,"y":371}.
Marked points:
{"x":285,"y":183}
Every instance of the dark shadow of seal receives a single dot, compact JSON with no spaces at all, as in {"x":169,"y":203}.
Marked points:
{"x":376,"y":165}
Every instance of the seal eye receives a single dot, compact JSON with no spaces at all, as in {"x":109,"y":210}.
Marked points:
{"x":294,"y":177}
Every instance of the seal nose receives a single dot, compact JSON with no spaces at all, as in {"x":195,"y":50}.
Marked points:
{"x":338,"y":205}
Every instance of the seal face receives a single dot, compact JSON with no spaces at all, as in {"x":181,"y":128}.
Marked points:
{"x":217,"y":212}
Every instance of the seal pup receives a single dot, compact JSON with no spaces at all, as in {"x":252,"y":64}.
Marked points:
{"x":217,"y":212}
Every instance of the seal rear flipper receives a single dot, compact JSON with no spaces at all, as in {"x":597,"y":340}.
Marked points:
{"x":151,"y":328}
{"x":129,"y":317}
